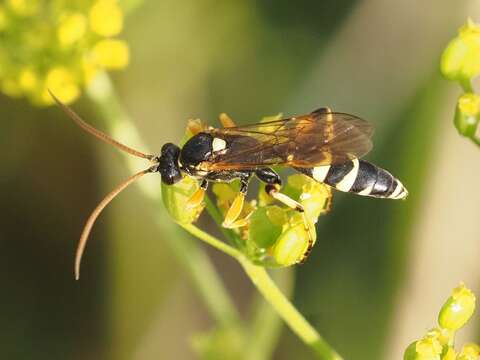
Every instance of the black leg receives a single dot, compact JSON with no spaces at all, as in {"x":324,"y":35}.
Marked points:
{"x":272,"y":188}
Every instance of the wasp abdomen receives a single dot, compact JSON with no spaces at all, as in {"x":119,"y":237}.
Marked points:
{"x":358,"y":177}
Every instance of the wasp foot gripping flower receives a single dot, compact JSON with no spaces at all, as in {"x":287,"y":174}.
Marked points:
{"x":461,"y":59}
{"x":58,"y":46}
{"x":437,"y":344}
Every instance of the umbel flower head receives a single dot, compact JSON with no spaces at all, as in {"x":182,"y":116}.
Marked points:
{"x":58,"y":45}
{"x":438,"y":343}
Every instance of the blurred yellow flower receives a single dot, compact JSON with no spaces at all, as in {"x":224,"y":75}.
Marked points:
{"x":111,"y":54}
{"x":62,"y":83}
{"x":461,"y":59}
{"x":63,"y":53}
{"x":72,"y":28}
{"x":23,"y":7}
{"x":106,"y":18}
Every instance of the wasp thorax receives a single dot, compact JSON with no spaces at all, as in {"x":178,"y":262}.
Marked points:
{"x":168,"y":164}
{"x":196,"y":149}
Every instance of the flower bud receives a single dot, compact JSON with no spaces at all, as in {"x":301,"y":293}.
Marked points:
{"x":111,"y":54}
{"x":467,"y":114}
{"x":106,"y":18}
{"x":461,"y":59}
{"x":427,"y":348}
{"x":458,"y":308}
{"x":292,"y":243}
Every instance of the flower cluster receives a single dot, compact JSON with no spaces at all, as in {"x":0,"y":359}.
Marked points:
{"x":58,"y":45}
{"x":461,"y":63}
{"x":438,"y":343}
{"x":274,"y":235}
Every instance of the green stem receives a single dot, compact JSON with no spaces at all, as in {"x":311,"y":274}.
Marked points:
{"x":475,"y":139}
{"x":466,"y":85}
{"x":213,"y":241}
{"x":272,"y":294}
{"x":266,"y":325}
{"x":294,"y":319}
{"x":188,"y":252}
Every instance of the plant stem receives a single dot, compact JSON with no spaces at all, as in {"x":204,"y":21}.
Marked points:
{"x":466,"y":85}
{"x":188,"y":252}
{"x":272,"y":294}
{"x":294,"y":319}
{"x":266,"y":326}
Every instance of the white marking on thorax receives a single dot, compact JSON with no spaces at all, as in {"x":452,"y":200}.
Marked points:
{"x":218,"y":144}
{"x":348,"y":180}
{"x":319,"y":173}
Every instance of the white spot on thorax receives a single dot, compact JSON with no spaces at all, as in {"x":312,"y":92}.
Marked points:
{"x":218,"y":144}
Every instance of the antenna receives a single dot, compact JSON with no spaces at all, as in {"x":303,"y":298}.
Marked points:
{"x":91,"y":220}
{"x":97,"y":133}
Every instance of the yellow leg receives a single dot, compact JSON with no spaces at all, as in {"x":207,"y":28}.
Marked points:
{"x":197,"y":198}
{"x":226,"y":120}
{"x":195,"y":126}
{"x":234,"y":212}
{"x":273,"y":191}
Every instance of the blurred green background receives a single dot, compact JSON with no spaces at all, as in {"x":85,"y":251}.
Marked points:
{"x":380,"y":270}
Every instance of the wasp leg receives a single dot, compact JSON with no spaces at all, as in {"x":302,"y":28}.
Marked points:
{"x":272,"y":188}
{"x":226,"y":120}
{"x":231,"y":218}
{"x":198,"y":196}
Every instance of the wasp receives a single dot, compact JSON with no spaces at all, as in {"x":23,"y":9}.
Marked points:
{"x":324,"y":145}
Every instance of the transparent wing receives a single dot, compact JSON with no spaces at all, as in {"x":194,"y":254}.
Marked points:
{"x":310,"y":140}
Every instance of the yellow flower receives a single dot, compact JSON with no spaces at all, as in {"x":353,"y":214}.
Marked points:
{"x":72,"y":28}
{"x":458,"y":308}
{"x":62,"y":83}
{"x":23,"y":7}
{"x":111,"y":54}
{"x":28,"y":80}
{"x":62,"y":54}
{"x":469,"y":104}
{"x":470,"y":352}
{"x":106,"y":18}
{"x":467,"y":114}
{"x":461,"y":59}
{"x":3,"y":19}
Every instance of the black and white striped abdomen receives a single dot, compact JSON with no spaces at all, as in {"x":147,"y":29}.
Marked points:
{"x":358,"y":177}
